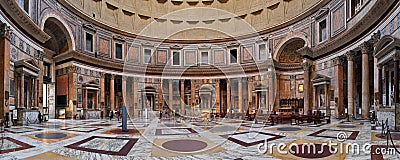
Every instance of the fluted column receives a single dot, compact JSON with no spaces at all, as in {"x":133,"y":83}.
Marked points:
{"x":170,"y":94}
{"x":350,"y":83}
{"x":380,"y":88}
{"x":307,"y":88}
{"x":396,"y":59}
{"x":22,"y":91}
{"x":250,"y":93}
{"x":102,"y":94}
{"x":135,"y":95}
{"x":240,"y":90}
{"x":365,"y":100}
{"x":112,"y":92}
{"x":218,"y":97}
{"x":228,"y":95}
{"x":124,"y":95}
{"x":338,"y":92}
{"x":5,"y":32}
{"x":182,"y":98}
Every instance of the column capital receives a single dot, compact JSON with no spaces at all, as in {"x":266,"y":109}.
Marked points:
{"x":396,"y":56}
{"x":339,"y":60}
{"x":366,"y":48}
{"x":112,"y":76}
{"x":250,"y":79}
{"x":350,"y":55}
{"x":124,"y":78}
{"x":5,"y":30}
{"x":102,"y":74}
{"x":72,"y":69}
{"x":307,"y":66}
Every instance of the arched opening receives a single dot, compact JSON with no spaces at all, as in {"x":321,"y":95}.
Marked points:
{"x":60,"y":40}
{"x":289,"y":54}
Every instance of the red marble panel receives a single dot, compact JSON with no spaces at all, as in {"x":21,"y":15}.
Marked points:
{"x":62,"y":85}
{"x":162,"y":56}
{"x":219,"y":57}
{"x":190,"y":57}
{"x":247,"y":53}
{"x":133,"y":54}
{"x":104,"y":46}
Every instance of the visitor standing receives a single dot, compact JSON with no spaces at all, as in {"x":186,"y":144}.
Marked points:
{"x":110,"y":115}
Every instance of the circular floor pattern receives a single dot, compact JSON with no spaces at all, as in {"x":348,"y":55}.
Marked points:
{"x":346,"y":126}
{"x":185,"y":145}
{"x":288,"y":129}
{"x":308,"y":151}
{"x":395,"y":136}
{"x":119,"y":131}
{"x":51,"y":135}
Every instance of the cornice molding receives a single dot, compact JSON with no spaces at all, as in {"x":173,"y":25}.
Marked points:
{"x":374,"y":14}
{"x":12,"y":8}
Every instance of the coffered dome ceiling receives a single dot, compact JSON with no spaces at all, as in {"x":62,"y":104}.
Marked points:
{"x":192,"y":19}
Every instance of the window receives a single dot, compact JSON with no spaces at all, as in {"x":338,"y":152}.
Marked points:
{"x":89,"y":42}
{"x":118,"y":51}
{"x":176,"y":59}
{"x":322,"y":31}
{"x":233,"y":53}
{"x":24,"y":4}
{"x":204,"y":58}
{"x":147,"y":55}
{"x":262,"y":52}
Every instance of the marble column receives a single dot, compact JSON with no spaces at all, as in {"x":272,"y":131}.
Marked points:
{"x":276,"y":100}
{"x":380,"y":88}
{"x":228,"y":95}
{"x":307,"y":87}
{"x":240,"y":92}
{"x":22,"y":91}
{"x":218,"y":97}
{"x":350,"y":83}
{"x":396,"y":80}
{"x":124,"y":93}
{"x":365,"y":100}
{"x":16,"y":90}
{"x":396,"y":59}
{"x":327,"y":97}
{"x":182,"y":98}
{"x":170,"y":94}
{"x":338,"y":92}
{"x":37,"y":94}
{"x":112,"y":92}
{"x":5,"y":32}
{"x":102,"y":93}
{"x":135,"y":95}
{"x":250,"y":93}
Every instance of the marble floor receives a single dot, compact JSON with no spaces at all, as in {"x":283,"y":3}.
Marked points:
{"x":180,"y":139}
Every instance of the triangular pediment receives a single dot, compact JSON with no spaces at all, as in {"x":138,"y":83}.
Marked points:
{"x":321,"y":78}
{"x":28,"y":63}
{"x":322,"y":12}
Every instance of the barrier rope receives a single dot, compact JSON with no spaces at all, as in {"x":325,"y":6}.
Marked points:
{"x":389,"y":136}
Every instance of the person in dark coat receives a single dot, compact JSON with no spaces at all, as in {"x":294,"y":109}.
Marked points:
{"x":40,"y":117}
